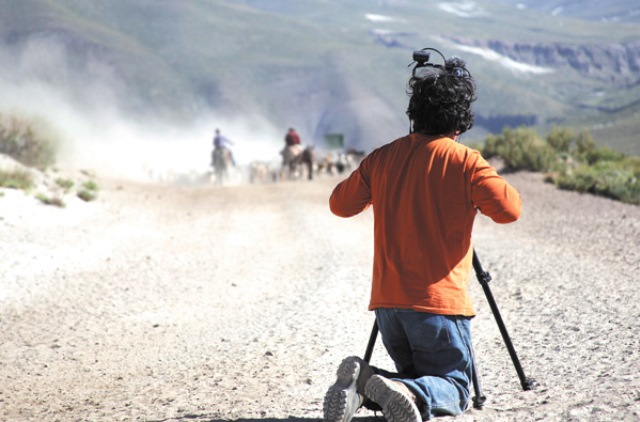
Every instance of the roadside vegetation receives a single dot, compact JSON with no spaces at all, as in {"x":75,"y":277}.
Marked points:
{"x":16,"y":179}
{"x":570,"y":160}
{"x":33,"y":144}
{"x":27,"y":140}
{"x":89,"y":191}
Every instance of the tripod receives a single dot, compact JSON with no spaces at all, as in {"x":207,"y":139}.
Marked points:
{"x":479,"y":399}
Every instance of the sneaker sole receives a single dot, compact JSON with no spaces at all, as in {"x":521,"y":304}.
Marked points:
{"x":336,"y":402}
{"x":396,"y":407}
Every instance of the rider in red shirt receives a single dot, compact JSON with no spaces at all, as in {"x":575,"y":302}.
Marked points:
{"x":292,"y":138}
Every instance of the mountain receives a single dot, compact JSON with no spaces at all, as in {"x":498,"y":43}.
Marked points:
{"x":327,"y":67}
{"x":596,"y":10}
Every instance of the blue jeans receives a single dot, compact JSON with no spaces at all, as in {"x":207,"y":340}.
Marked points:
{"x":433,"y":357}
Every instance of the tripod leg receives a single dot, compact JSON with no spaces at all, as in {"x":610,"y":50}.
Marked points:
{"x":479,"y":399}
{"x":484,"y":278}
{"x":372,"y":342}
{"x":367,"y":358}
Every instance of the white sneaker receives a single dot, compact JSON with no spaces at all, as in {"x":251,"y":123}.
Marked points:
{"x":395,"y":400}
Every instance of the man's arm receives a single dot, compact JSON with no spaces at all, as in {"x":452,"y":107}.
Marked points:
{"x":493,"y":196}
{"x":351,"y":196}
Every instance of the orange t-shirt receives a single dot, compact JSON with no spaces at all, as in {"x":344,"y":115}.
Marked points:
{"x":425,"y":192}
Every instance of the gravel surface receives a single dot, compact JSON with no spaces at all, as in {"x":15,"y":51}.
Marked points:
{"x":200,"y":303}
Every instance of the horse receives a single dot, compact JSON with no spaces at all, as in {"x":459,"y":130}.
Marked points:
{"x":308,"y":158}
{"x":291,"y":161}
{"x":221,"y":162}
{"x":293,"y":157}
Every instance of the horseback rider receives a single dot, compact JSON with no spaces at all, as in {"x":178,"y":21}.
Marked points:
{"x":222,"y":144}
{"x":292,"y":138}
{"x":291,"y":153}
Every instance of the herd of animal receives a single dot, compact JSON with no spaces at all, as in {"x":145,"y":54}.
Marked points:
{"x":303,"y":163}
{"x":297,"y":163}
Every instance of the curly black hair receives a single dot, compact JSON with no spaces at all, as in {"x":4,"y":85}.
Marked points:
{"x":440,"y":99}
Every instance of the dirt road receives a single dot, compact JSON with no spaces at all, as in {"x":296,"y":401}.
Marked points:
{"x":167,"y":303}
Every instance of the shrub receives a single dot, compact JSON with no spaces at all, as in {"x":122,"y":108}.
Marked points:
{"x":602,"y":154}
{"x":89,"y":191}
{"x":90,"y":185}
{"x":87,"y":195}
{"x":18,"y":179}
{"x":51,"y":200}
{"x":521,"y":149}
{"x":613,"y":179}
{"x":560,"y":139}
{"x":491,"y":146}
{"x":27,"y":141}
{"x":584,"y":144}
{"x":572,"y":161}
{"x":65,"y":184}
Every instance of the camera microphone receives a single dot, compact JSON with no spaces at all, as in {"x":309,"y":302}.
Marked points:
{"x":421,"y":56}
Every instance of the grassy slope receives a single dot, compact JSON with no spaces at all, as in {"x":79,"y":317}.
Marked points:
{"x":315,"y":61}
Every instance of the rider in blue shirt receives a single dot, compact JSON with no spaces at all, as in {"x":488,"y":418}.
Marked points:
{"x":221,"y":142}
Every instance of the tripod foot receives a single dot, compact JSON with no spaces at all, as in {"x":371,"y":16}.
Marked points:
{"x":478,"y":402}
{"x":529,"y":384}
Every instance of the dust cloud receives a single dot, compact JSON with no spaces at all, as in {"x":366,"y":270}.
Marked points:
{"x":111,"y":144}
{"x":94,"y":133}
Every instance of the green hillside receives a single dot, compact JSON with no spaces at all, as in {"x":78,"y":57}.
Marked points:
{"x":320,"y":66}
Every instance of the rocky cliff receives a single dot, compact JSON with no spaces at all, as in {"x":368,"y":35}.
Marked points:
{"x":615,"y":63}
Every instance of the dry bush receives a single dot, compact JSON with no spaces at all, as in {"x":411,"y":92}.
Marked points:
{"x":30,"y":141}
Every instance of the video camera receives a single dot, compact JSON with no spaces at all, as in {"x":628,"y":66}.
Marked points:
{"x":454,"y":65}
